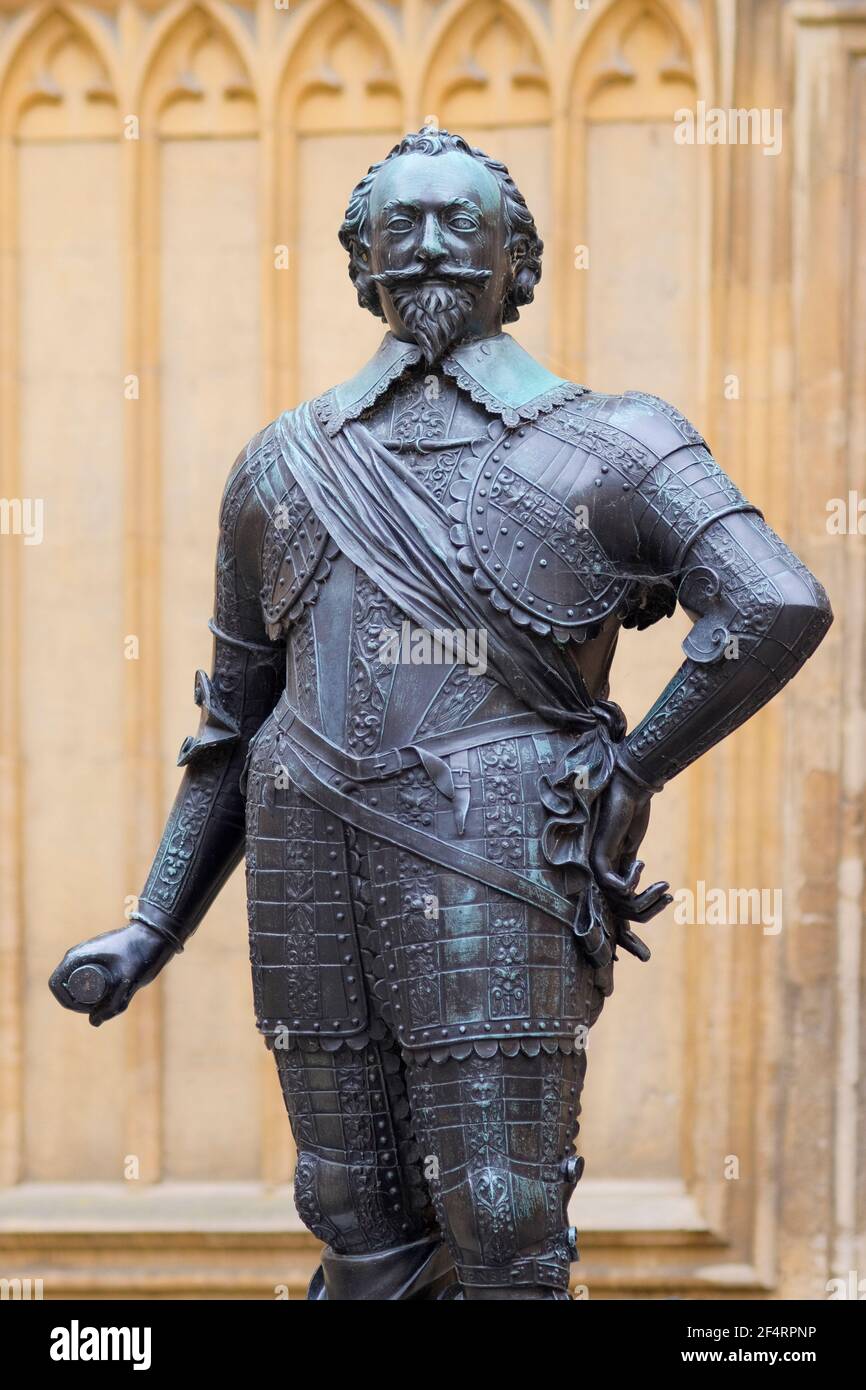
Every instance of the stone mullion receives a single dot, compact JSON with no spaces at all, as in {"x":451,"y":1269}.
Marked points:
{"x":758,"y":190}
{"x":11,"y":807}
{"x":709,"y":967}
{"x":568,"y":342}
{"x":414,"y":52}
{"x":824,"y":836}
{"x":143,"y":1125}
{"x":849,"y":1138}
{"x":558,"y":259}
{"x":267,"y":46}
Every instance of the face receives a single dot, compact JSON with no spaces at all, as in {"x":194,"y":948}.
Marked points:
{"x":438,"y":252}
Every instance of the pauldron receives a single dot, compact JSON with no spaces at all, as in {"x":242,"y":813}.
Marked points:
{"x":539,"y":516}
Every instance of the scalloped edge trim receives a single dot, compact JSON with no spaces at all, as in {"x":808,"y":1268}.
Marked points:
{"x":522,"y":618}
{"x":513,"y":414}
{"x":291,"y":610}
{"x":486,"y":1048}
{"x":374,"y":1031}
{"x":333,"y":420}
{"x":325,"y":405}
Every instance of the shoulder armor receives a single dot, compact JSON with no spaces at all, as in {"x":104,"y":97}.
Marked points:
{"x":529,"y":525}
{"x":686,"y":490}
{"x":296,"y":551}
{"x":657,"y":423}
{"x":254,"y":460}
{"x":631,"y":432}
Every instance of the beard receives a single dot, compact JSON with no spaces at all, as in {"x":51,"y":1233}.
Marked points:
{"x":435,"y":314}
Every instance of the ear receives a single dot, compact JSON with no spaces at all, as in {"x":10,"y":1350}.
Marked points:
{"x":359,"y":273}
{"x":368,"y":294}
{"x":526,"y":271}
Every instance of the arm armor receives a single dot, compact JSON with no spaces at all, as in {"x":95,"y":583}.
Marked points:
{"x":203,"y":838}
{"x":758,"y":612}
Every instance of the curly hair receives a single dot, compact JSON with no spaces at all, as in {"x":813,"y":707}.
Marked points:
{"x":524,"y":243}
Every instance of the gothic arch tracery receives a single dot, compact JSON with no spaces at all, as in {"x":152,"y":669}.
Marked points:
{"x":60,"y":79}
{"x":341,"y":71}
{"x":486,"y":64}
{"x":196,"y":78}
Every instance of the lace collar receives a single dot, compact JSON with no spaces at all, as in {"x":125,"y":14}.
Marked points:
{"x":496,"y":372}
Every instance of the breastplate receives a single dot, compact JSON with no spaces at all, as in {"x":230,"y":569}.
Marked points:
{"x":529,"y":527}
{"x":526,"y":509}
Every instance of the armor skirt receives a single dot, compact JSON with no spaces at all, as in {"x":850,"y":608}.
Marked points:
{"x":429,"y":1028}
{"x":348,"y":930}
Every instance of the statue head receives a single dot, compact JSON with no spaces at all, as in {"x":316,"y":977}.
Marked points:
{"x":441,"y":243}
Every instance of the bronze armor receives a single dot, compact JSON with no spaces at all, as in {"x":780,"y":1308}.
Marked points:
{"x":381,"y":974}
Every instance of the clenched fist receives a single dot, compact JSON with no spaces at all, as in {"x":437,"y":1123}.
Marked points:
{"x":113,"y":967}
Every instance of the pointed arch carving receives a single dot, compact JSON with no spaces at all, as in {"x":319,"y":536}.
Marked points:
{"x":487,"y":66}
{"x":342,"y":73}
{"x":635,"y":61}
{"x":197,"y":80}
{"x":60,"y":81}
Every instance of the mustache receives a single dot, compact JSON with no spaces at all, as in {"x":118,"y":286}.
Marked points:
{"x":416,"y":275}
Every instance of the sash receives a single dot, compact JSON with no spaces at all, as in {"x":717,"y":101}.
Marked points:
{"x":395,"y":532}
{"x":385,"y":521}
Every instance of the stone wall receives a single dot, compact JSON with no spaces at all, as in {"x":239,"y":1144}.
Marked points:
{"x":171,"y":181}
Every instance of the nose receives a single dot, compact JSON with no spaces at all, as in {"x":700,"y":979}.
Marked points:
{"x":432,"y":247}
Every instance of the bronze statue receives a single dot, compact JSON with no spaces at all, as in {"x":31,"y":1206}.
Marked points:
{"x":441,"y":850}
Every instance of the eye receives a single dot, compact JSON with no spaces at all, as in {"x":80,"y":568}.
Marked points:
{"x":400,"y":224}
{"x":462,"y":222}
